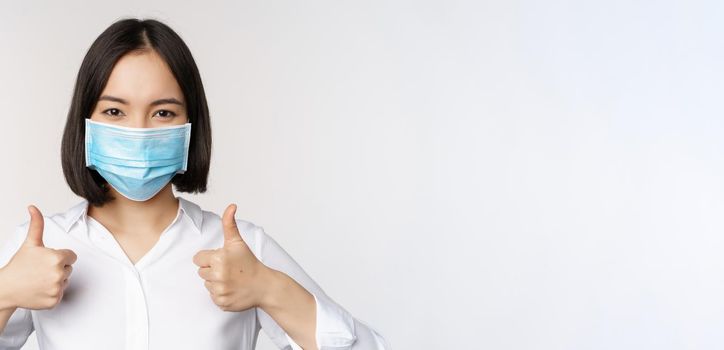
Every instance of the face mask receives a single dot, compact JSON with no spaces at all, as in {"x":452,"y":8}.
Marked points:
{"x":137,"y":162}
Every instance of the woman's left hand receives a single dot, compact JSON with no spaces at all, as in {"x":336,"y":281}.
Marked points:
{"x":236,"y":279}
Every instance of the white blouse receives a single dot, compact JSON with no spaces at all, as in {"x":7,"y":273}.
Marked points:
{"x":161,"y":302}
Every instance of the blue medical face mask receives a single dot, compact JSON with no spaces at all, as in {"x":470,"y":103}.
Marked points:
{"x":137,"y":162}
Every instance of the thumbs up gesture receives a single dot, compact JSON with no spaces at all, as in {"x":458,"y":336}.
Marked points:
{"x":235,"y":278}
{"x":36,"y":275}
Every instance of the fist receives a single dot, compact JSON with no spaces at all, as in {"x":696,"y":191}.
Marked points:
{"x":235,"y":278}
{"x":37,"y":275}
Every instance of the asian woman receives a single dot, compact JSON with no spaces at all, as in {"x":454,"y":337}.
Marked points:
{"x":132,"y":266}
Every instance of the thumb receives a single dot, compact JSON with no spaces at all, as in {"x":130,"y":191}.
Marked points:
{"x":231,"y":232}
{"x":35,"y":230}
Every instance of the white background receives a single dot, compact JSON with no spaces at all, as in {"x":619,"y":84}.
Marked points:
{"x":459,"y":175}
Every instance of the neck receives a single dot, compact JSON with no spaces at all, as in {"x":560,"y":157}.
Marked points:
{"x":122,"y":215}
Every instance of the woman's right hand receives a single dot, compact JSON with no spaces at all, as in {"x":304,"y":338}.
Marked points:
{"x":36,"y":276}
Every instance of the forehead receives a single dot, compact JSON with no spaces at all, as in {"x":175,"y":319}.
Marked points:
{"x":142,"y":76}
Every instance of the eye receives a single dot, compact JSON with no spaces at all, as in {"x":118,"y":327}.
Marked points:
{"x":115,"y":112}
{"x":165,"y":113}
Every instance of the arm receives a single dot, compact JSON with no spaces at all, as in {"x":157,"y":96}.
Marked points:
{"x":6,"y":308}
{"x":293,"y":308}
{"x":335,"y":328}
{"x":253,"y":271}
{"x":8,"y":250}
{"x":4,"y":317}
{"x":32,"y":278}
{"x":16,"y":325}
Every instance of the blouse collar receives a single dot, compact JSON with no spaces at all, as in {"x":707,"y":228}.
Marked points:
{"x":79,"y":212}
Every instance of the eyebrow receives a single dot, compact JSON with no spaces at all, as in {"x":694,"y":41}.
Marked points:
{"x":162,"y":101}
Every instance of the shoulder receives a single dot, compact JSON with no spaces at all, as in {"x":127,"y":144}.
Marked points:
{"x":53,"y":223}
{"x":10,"y":243}
{"x":251,"y":232}
{"x":211,"y":227}
{"x":212,"y":221}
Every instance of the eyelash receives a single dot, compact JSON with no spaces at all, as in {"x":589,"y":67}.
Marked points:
{"x":172,"y":114}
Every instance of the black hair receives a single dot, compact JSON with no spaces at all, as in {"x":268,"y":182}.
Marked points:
{"x":120,"y":38}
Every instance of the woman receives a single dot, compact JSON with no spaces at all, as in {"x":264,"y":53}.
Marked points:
{"x":134,"y":267}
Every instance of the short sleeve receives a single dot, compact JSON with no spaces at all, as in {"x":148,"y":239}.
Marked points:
{"x":20,"y":325}
{"x":336,"y":328}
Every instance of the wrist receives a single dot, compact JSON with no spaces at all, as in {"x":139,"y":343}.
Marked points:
{"x":6,"y":300}
{"x":274,"y":283}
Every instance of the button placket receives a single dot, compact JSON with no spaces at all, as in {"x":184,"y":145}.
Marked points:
{"x":136,"y":312}
{"x":137,"y":315}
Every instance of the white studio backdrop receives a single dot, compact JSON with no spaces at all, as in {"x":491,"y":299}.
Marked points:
{"x":459,"y":175}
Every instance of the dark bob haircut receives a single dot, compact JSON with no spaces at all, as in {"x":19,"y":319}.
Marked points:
{"x":120,"y":38}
